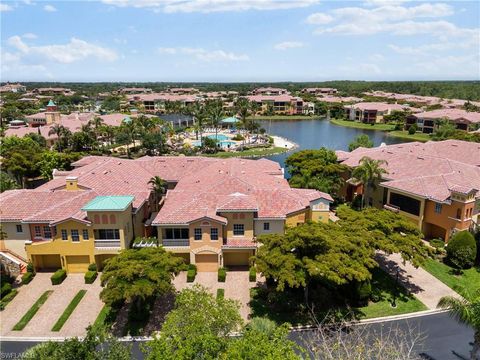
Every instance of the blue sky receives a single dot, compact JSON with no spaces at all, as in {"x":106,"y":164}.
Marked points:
{"x":239,"y":40}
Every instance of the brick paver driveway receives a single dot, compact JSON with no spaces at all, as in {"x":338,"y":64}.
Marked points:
{"x":41,"y":324}
{"x":236,"y":285}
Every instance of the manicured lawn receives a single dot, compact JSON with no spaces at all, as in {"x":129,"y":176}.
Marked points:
{"x":105,"y":317}
{"x":7,"y":298}
{"x":405,"y":135}
{"x":359,"y":125}
{"x":69,"y":310}
{"x":250,"y":153}
{"x":384,"y":286}
{"x":465,"y":284}
{"x":32,"y":311}
{"x":285,"y":117}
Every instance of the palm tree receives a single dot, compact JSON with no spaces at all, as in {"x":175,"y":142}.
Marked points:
{"x":159,"y":187}
{"x":216,"y":115}
{"x":369,"y":172}
{"x":96,"y":123}
{"x":59,"y":131}
{"x":197,"y":110}
{"x":466,"y":312}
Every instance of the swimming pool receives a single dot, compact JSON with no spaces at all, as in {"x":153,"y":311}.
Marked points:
{"x":223,"y":144}
{"x":220,"y":137}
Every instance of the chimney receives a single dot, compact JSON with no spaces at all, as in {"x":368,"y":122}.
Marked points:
{"x":72,"y":183}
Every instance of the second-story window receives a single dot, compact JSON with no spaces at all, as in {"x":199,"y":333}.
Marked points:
{"x":38,"y":231}
{"x":214,"y":234}
{"x":238,"y":230}
{"x":85,"y":235}
{"x":438,"y":208}
{"x":197,"y":234}
{"x":64,"y":234}
{"x":47,"y":232}
{"x":75,"y":236}
{"x":266,"y":226}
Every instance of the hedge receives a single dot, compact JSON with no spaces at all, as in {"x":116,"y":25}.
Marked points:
{"x":252,"y":275}
{"x":191,"y":275}
{"x":92,"y":267}
{"x":7,"y":298}
{"x":462,"y":250}
{"x":58,"y":276}
{"x":30,"y":268}
{"x":27,"y":277}
{"x":222,"y":274}
{"x":6,"y":288}
{"x":90,"y":277}
{"x":220,"y":293}
{"x":192,"y":267}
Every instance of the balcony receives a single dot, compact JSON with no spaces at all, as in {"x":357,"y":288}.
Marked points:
{"x":391,"y":207}
{"x":107,"y":244}
{"x":176,"y":242}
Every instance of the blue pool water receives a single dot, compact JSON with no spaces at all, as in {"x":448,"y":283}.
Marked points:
{"x":220,"y":137}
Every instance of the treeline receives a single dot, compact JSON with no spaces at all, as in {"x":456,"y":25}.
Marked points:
{"x":469,"y":90}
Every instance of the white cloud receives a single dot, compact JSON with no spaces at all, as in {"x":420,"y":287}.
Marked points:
{"x":288,"y":45}
{"x":29,"y":36}
{"x":49,"y":8}
{"x":319,"y":19}
{"x":5,"y":7}
{"x":465,"y":66}
{"x":205,"y":55}
{"x":207,"y":6}
{"x":384,"y":2}
{"x":73,"y":51}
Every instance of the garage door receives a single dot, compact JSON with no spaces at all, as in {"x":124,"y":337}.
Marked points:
{"x":206,"y":262}
{"x":78,"y":264}
{"x":236,"y":258}
{"x":48,"y":262}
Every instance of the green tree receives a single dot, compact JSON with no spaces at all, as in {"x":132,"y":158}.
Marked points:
{"x":466,"y":312}
{"x":197,"y":328}
{"x":216,"y":114}
{"x":51,"y":160}
{"x":63,"y":134}
{"x":6,"y":182}
{"x":316,"y":169}
{"x":444,"y":130}
{"x":369,"y":172}
{"x":136,"y":275}
{"x":360,"y":141}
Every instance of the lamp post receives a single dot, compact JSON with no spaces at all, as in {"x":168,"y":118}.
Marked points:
{"x":394,"y":302}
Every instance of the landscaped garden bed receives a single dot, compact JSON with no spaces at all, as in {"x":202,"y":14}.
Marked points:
{"x":69,"y":310}
{"x":32,"y":311}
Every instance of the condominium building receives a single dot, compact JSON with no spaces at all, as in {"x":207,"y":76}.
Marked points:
{"x":211,"y":215}
{"x":435,"y":184}
{"x":320,"y":91}
{"x":280,"y":104}
{"x":372,"y":112}
{"x":14,"y":88}
{"x":270,"y":91}
{"x":428,"y":121}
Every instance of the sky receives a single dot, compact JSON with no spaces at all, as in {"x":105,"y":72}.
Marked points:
{"x":239,"y":40}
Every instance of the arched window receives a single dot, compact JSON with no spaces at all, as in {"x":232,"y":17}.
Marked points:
{"x":112,"y":219}
{"x":96,"y":219}
{"x":459,"y":213}
{"x":104,"y":219}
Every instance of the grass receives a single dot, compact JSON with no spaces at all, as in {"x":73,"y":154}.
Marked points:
{"x":249,"y":153}
{"x":284,"y":117}
{"x":106,"y":317}
{"x":7,"y":298}
{"x":466,"y":284}
{"x":359,"y":125}
{"x":32,"y":311}
{"x":384,"y":286}
{"x":69,"y":310}
{"x":402,"y":134}
{"x":289,"y":306}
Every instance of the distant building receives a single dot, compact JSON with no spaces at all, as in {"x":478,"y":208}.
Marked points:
{"x":135,"y":90}
{"x":183,"y":91}
{"x":156,"y":102}
{"x":319,"y":91}
{"x":427,"y":122}
{"x":270,"y":91}
{"x":372,"y":112}
{"x":14,"y":88}
{"x":54,"y":91}
{"x":280,"y":104}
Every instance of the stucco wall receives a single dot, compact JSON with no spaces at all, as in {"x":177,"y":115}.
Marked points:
{"x":245,"y":218}
{"x":296,"y":218}
{"x":205,"y":225}
{"x":15,"y":242}
{"x":276,"y":227}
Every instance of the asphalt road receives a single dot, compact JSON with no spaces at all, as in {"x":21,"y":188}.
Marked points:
{"x":444,"y":338}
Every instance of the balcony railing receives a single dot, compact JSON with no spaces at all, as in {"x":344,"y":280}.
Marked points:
{"x":107,"y":243}
{"x":176,"y":242}
{"x":391,"y":207}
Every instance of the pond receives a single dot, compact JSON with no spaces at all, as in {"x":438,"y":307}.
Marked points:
{"x":317,"y":133}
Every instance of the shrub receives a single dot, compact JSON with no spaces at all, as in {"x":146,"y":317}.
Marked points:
{"x":6,"y":288}
{"x":27,"y":277}
{"x":222,"y":274}
{"x":5,"y":278}
{"x":30,"y":268}
{"x":363,"y":292}
{"x":375,"y":297}
{"x":192,"y":267}
{"x":462,"y":250}
{"x":252,"y":275}
{"x":191,"y":275}
{"x":58,"y":276}
{"x":437,"y":243}
{"x":92,"y":267}
{"x":5,"y":300}
{"x":238,"y":137}
{"x":412,"y":129}
{"x":220,"y":293}
{"x":90,"y":277}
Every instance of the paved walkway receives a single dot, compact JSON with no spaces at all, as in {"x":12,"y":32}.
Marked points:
{"x":426,"y":287}
{"x":41,"y":324}
{"x":236,"y":285}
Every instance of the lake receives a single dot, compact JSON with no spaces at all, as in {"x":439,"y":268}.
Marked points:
{"x":317,"y":133}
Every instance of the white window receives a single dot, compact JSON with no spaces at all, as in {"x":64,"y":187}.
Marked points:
{"x":75,"y":236}
{"x":38,"y":231}
{"x":238,"y":230}
{"x":438,"y":208}
{"x":64,"y":234}
{"x":197,"y":234}
{"x":213,"y":234}
{"x":47,"y":232}
{"x":266,"y":226}
{"x":85,"y":235}
{"x":19,"y":229}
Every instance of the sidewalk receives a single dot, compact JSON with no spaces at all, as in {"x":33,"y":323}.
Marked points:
{"x":427,"y":288}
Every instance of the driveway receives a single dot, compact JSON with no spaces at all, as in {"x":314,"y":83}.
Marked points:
{"x":237,"y":287}
{"x":426,"y":287}
{"x":41,"y":324}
